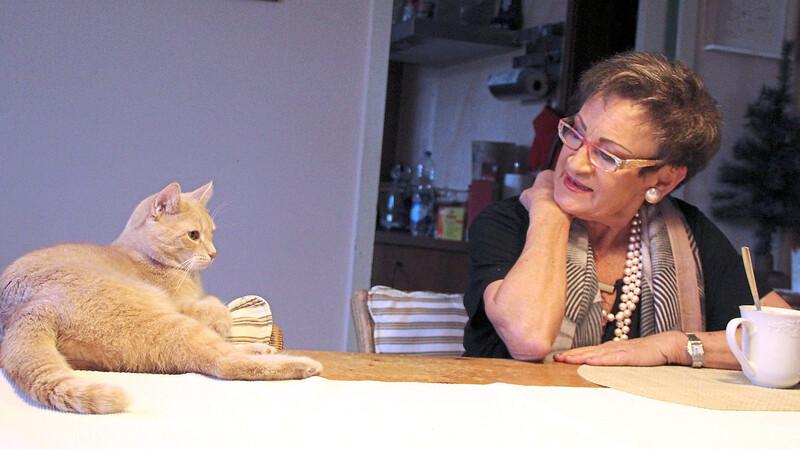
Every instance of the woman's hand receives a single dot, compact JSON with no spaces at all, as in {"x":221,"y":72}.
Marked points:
{"x":665,"y":348}
{"x":541,"y":190}
{"x":539,"y":197}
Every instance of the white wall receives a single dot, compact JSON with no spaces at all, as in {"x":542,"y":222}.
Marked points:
{"x":105,"y":102}
{"x":733,"y":79}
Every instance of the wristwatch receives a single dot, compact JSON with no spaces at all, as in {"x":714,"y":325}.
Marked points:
{"x":695,"y":349}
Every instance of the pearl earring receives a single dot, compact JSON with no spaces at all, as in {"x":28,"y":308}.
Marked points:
{"x":653,"y":195}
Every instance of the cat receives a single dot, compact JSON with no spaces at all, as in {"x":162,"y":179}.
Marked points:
{"x":136,"y":305}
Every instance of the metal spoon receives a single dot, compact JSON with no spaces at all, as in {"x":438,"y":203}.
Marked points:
{"x":751,"y":277}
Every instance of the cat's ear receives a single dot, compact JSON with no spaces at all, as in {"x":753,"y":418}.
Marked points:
{"x":166,"y":201}
{"x":203,"y":194}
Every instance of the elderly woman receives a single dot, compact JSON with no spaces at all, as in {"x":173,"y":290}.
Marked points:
{"x":596,"y":263}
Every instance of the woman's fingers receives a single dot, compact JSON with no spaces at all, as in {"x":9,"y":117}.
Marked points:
{"x":637,"y":352}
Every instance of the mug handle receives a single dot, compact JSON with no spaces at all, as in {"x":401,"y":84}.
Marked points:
{"x":730,"y":332}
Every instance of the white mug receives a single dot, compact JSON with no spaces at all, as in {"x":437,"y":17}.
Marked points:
{"x":770,"y":353}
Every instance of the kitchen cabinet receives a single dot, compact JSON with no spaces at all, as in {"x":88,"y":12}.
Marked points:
{"x":412,"y":263}
{"x":441,"y":44}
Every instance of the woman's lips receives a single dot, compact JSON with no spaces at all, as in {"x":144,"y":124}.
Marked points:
{"x":574,"y":185}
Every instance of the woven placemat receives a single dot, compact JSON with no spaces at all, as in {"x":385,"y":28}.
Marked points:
{"x":707,"y":388}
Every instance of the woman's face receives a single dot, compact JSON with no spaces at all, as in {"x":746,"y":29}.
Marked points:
{"x":588,"y":193}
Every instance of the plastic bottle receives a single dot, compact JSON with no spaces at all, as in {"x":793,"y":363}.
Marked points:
{"x":409,"y":11}
{"x":423,"y":201}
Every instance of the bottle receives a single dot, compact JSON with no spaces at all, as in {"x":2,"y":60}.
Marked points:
{"x":393,"y":199}
{"x":409,"y":11}
{"x":423,"y":201}
{"x":509,"y":17}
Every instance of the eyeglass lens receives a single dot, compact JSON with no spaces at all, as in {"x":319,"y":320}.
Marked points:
{"x":598,"y":157}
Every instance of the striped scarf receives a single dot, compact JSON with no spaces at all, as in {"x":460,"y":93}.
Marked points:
{"x":672,"y":287}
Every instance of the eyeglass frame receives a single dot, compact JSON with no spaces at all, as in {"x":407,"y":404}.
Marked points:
{"x":619,"y":164}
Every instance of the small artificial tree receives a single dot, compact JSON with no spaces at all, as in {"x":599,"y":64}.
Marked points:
{"x":762,"y":181}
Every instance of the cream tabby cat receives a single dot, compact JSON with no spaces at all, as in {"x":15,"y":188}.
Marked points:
{"x":136,"y":305}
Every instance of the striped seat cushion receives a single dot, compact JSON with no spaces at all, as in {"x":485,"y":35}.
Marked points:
{"x":420,"y":323}
{"x":252,"y":320}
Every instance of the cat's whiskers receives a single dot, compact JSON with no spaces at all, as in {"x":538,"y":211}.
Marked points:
{"x":183,"y":278}
{"x":187,"y":266}
{"x":219,"y":208}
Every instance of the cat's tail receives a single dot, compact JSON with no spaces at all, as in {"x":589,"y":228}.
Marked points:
{"x":29,"y":356}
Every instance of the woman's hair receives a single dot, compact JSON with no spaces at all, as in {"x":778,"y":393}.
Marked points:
{"x":683,"y":114}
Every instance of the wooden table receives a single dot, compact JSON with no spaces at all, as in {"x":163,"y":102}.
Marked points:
{"x":448,"y":370}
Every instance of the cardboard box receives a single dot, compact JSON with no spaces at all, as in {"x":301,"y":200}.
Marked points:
{"x":450,"y":223}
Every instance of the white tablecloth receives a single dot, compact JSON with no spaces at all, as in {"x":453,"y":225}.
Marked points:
{"x":190,"y":410}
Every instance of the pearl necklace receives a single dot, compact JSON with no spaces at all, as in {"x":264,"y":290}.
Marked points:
{"x":631,"y":283}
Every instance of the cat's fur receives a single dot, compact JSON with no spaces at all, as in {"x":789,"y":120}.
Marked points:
{"x":136,"y":305}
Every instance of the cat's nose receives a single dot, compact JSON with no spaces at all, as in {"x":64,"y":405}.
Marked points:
{"x":212,"y":255}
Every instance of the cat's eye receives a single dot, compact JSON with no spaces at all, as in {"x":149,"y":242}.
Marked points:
{"x":194,"y":235}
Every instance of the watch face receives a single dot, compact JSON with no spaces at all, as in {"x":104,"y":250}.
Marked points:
{"x":695,"y":350}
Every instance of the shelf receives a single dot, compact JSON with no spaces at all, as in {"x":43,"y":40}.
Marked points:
{"x":441,"y":44}
{"x":400,"y":238}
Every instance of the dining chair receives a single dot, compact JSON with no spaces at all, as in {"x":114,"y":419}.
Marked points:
{"x":364,"y":326}
{"x":276,"y":337}
{"x":391,"y":321}
{"x":791,"y":297}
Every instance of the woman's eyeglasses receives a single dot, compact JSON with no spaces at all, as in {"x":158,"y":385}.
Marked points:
{"x":599,"y":157}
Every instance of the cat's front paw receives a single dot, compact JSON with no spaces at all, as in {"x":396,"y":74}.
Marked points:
{"x":273,"y":367}
{"x":309,"y":367}
{"x":296,"y":367}
{"x":256,"y":348}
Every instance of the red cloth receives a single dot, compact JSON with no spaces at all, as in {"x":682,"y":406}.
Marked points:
{"x":545,"y":127}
